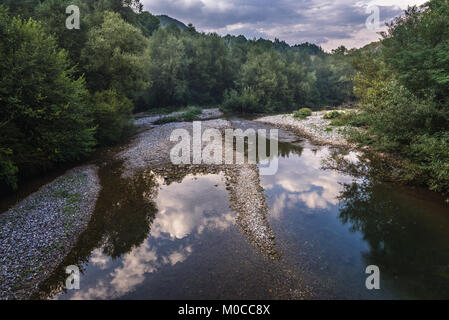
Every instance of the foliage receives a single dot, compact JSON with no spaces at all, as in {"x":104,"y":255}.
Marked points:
{"x":246,"y":102}
{"x":112,"y":114}
{"x":189,"y":115}
{"x":45,"y":116}
{"x":8,"y":170}
{"x":332,"y":115}
{"x":302,"y":113}
{"x":416,"y":48}
{"x":431,"y":153}
{"x":352,"y":118}
{"x":403,"y":92}
{"x":115,"y":56}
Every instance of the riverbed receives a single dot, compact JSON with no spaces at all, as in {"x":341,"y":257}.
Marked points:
{"x":177,"y":235}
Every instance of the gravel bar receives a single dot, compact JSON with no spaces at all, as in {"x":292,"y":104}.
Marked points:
{"x":151,"y":149}
{"x":40,"y":231}
{"x":148,"y":122}
{"x":315,"y":128}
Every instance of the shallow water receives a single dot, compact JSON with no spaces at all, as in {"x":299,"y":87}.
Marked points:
{"x":164,"y":238}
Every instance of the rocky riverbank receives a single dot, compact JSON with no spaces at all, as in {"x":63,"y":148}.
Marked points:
{"x":144,"y":121}
{"x":315,"y":128}
{"x":40,"y":231}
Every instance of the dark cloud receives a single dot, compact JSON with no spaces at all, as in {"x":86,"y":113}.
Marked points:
{"x":295,"y":21}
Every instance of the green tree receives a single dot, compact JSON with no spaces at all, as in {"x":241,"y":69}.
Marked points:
{"x":112,"y":113}
{"x":52,"y":15}
{"x":416,"y":47}
{"x":265,"y":75}
{"x":45,"y":116}
{"x":168,"y":69}
{"x":115,"y":56}
{"x":148,"y":23}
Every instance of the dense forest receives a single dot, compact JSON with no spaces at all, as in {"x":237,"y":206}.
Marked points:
{"x":65,"y":92}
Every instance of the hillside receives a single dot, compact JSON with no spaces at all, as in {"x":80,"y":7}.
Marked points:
{"x":166,"y":20}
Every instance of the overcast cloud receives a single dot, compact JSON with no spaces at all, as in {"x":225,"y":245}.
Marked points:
{"x":327,"y":23}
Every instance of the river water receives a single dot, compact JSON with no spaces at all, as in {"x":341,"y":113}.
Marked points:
{"x":156,"y":239}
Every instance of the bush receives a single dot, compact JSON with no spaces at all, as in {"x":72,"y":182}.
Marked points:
{"x":302,"y":113}
{"x":352,"y":119}
{"x":431,"y":153}
{"x":8,"y":170}
{"x":332,"y":115}
{"x":112,"y":115}
{"x":189,"y":115}
{"x":247,"y":102}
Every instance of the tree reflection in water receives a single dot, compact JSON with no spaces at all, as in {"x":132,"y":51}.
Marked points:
{"x":122,"y":219}
{"x":408,"y":237}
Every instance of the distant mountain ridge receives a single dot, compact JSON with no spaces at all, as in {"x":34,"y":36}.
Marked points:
{"x":166,"y":20}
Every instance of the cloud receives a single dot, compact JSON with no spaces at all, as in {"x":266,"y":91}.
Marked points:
{"x":327,"y":23}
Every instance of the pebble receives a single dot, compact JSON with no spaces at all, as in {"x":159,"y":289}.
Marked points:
{"x":34,"y":237}
{"x":313,"y":127}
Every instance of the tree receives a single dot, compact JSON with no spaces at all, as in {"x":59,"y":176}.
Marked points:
{"x":112,"y":113}
{"x":416,"y":47}
{"x":45,"y":117}
{"x":115,"y":57}
{"x":148,"y":23}
{"x":52,"y":15}
{"x":168,"y":68}
{"x":265,"y":74}
{"x":210,"y":72}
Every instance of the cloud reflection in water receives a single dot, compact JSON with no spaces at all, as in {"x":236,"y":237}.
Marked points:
{"x":186,"y":210}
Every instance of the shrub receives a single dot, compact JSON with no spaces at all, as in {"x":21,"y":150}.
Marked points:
{"x":112,"y":115}
{"x":352,"y":119}
{"x":246,"y":102}
{"x":8,"y":170}
{"x":189,"y":115}
{"x":431,"y":153}
{"x":302,"y":113}
{"x":332,"y":115}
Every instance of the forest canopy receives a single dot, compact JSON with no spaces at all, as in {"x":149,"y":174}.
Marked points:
{"x":65,"y":92}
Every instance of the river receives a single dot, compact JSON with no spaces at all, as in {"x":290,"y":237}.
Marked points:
{"x":178,"y":239}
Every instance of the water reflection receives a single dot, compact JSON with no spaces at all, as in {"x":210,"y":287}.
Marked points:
{"x":337,"y":222}
{"x":408,"y":238}
{"x":173,"y":236}
{"x":125,"y":261}
{"x":121,"y":221}
{"x":302,"y":180}
{"x":180,"y":216}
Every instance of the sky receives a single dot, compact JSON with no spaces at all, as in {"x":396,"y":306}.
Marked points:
{"x":326,"y":23}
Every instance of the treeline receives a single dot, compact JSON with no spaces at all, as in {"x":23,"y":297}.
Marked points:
{"x":63,"y":92}
{"x":402,"y":84}
{"x":248,"y":76}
